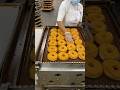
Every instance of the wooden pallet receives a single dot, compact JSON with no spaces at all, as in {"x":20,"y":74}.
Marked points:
{"x":47,"y":0}
{"x":47,"y":5}
{"x":47,"y":9}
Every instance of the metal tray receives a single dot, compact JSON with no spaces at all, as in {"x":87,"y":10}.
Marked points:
{"x":43,"y":52}
{"x":113,"y":27}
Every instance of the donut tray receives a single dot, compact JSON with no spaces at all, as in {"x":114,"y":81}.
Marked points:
{"x":112,"y":26}
{"x":42,"y":57}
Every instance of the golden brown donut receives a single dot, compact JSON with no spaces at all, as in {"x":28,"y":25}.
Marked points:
{"x":93,"y":9}
{"x":52,"y":49}
{"x":63,"y":56}
{"x":71,"y":46}
{"x":52,"y":43}
{"x":62,"y":48}
{"x":81,"y":55}
{"x":108,"y":52}
{"x":98,"y":27}
{"x":112,"y":69}
{"x":52,"y":56}
{"x":93,"y":68}
{"x":80,"y":47}
{"x":73,"y":54}
{"x":61,"y":42}
{"x":104,"y":37}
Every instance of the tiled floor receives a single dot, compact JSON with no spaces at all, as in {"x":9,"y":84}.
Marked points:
{"x":49,"y":18}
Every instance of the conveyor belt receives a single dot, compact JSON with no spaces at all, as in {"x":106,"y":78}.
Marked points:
{"x":113,"y":27}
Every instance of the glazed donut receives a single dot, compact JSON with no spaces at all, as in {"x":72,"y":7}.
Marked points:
{"x":60,"y":37}
{"x":53,"y":30}
{"x":112,"y":69}
{"x":52,"y":56}
{"x":76,"y":37}
{"x":78,"y":42}
{"x":93,"y":9}
{"x":52,"y":43}
{"x":93,"y":68}
{"x":69,"y":42}
{"x":108,"y":52}
{"x":32,"y":72}
{"x":95,"y":17}
{"x":63,"y":56}
{"x":62,"y":48}
{"x":61,"y":42}
{"x":81,"y":55}
{"x":74,"y":32}
{"x":52,"y":38}
{"x":52,"y":49}
{"x":103,"y":37}
{"x":60,"y":34}
{"x":71,"y":47}
{"x":91,"y":50}
{"x":98,"y":27}
{"x":73,"y":54}
{"x":80,"y":47}
{"x":53,"y":33}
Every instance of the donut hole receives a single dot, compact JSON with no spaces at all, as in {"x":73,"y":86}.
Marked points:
{"x":73,"y":53}
{"x":83,"y":54}
{"x":63,"y":55}
{"x":109,"y":50}
{"x":53,"y":55}
{"x":115,"y":68}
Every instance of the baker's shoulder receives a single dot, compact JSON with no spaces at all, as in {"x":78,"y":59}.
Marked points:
{"x":63,"y":3}
{"x":80,"y":5}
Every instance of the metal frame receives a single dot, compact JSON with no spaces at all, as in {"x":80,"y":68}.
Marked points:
{"x":23,"y":38}
{"x":13,"y":39}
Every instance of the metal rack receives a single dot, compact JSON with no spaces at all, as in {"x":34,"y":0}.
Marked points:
{"x":54,"y":75}
{"x":38,"y":6}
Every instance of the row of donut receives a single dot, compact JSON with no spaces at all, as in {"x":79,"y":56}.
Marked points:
{"x":95,"y":69}
{"x":59,"y":48}
{"x":101,"y":38}
{"x":102,"y":45}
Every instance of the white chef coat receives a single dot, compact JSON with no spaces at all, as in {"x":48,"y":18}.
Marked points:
{"x":70,"y":14}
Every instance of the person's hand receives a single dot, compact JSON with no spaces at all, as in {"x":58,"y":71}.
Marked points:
{"x":68,"y":37}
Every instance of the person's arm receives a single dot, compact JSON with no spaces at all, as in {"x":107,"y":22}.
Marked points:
{"x":60,"y":19}
{"x":61,"y":26}
{"x":61,"y":16}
